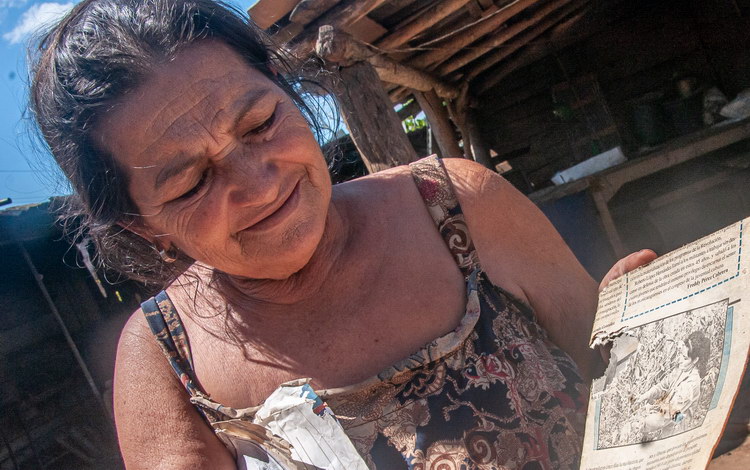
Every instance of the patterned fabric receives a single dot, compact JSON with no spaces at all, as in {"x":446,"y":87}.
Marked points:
{"x":165,"y":324}
{"x":494,"y":393}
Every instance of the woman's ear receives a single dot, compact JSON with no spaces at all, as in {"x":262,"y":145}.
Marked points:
{"x":167,"y":251}
{"x":136,"y":226}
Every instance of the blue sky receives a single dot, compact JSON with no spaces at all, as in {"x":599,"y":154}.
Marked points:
{"x":26,"y":174}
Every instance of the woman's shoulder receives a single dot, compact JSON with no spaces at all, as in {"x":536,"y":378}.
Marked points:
{"x":471,"y":181}
{"x":156,"y":425}
{"x":391,"y":176}
{"x":380,"y":192}
{"x":466,"y":176}
{"x":139,"y":359}
{"x":483,"y":194}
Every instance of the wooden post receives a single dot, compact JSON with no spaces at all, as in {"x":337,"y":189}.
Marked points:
{"x":479,"y":150}
{"x":375,"y":127}
{"x":610,"y":228}
{"x":460,"y":111}
{"x":437,"y":116}
{"x":368,"y":112}
{"x":457,"y":111}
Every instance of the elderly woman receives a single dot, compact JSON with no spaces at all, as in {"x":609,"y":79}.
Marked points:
{"x":433,"y":307}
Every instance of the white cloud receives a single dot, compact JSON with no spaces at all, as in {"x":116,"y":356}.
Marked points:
{"x":36,"y":17}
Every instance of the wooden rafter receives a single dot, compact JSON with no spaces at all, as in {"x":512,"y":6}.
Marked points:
{"x":497,"y":40}
{"x":307,"y":10}
{"x":431,"y":16}
{"x":346,"y":13}
{"x":266,"y":13}
{"x":528,"y":36}
{"x":574,"y":29}
{"x":454,"y":42}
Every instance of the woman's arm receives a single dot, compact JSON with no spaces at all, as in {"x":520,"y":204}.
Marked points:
{"x":157,"y":427}
{"x":522,"y":252}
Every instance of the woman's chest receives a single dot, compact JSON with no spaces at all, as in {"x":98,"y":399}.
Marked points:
{"x":346,"y":337}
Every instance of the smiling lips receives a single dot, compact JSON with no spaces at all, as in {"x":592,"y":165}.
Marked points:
{"x":279,"y":215}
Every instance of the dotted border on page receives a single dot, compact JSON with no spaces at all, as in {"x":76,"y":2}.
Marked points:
{"x":739,"y":258}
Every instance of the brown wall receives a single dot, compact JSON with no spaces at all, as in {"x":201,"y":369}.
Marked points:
{"x":643,"y":47}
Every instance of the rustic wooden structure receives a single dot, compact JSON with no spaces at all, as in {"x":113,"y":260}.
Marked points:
{"x":539,"y":86}
{"x":59,"y":326}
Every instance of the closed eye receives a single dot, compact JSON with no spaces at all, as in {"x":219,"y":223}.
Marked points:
{"x":194,"y":190}
{"x":264,"y":126}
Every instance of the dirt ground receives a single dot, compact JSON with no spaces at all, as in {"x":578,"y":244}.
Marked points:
{"x":736,"y":459}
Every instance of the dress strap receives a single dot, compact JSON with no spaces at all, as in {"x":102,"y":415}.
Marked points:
{"x":166,"y":325}
{"x":436,"y":188}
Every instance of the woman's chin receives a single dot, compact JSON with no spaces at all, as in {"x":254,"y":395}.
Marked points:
{"x":275,"y":268}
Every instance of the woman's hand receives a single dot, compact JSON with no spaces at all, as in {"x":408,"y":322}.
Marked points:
{"x":624,"y":266}
{"x":627,"y":264}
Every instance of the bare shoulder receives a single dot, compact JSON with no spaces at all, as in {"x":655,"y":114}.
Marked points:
{"x":393,"y":187}
{"x":512,"y":234}
{"x":474,"y":183}
{"x":503,"y":223}
{"x":521,"y":251}
{"x":157,"y":427}
{"x":395,"y":176}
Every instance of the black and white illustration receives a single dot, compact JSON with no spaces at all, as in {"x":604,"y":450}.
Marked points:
{"x":661,"y":377}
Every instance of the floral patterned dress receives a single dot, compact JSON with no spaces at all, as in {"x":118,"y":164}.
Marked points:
{"x":494,"y":393}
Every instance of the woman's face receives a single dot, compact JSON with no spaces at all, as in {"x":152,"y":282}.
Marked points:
{"x":220,"y":164}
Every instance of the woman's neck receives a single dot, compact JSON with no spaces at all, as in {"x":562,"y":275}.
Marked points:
{"x":244,"y":294}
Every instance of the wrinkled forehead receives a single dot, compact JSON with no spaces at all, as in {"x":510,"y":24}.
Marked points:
{"x":204,"y":85}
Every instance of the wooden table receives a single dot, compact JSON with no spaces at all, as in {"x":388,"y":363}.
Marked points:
{"x":604,"y":185}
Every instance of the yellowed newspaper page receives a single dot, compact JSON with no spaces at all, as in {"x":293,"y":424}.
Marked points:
{"x":679,"y":330}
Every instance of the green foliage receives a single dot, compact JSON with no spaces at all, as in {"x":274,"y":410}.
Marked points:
{"x":411,"y":124}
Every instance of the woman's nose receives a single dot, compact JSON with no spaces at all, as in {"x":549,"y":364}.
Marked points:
{"x":251,"y":179}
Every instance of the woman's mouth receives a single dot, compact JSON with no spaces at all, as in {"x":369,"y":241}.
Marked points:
{"x":279,"y":215}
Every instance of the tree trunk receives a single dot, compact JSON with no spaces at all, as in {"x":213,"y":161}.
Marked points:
{"x":375,"y":127}
{"x":437,"y":116}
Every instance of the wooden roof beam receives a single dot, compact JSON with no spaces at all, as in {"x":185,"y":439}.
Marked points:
{"x":455,"y":41}
{"x":399,"y":94}
{"x":537,"y":30}
{"x":307,"y":11}
{"x":303,"y":13}
{"x":346,"y":13}
{"x":265,"y":13}
{"x":560,"y":37}
{"x":499,"y":39}
{"x":402,"y":35}
{"x":339,"y":47}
